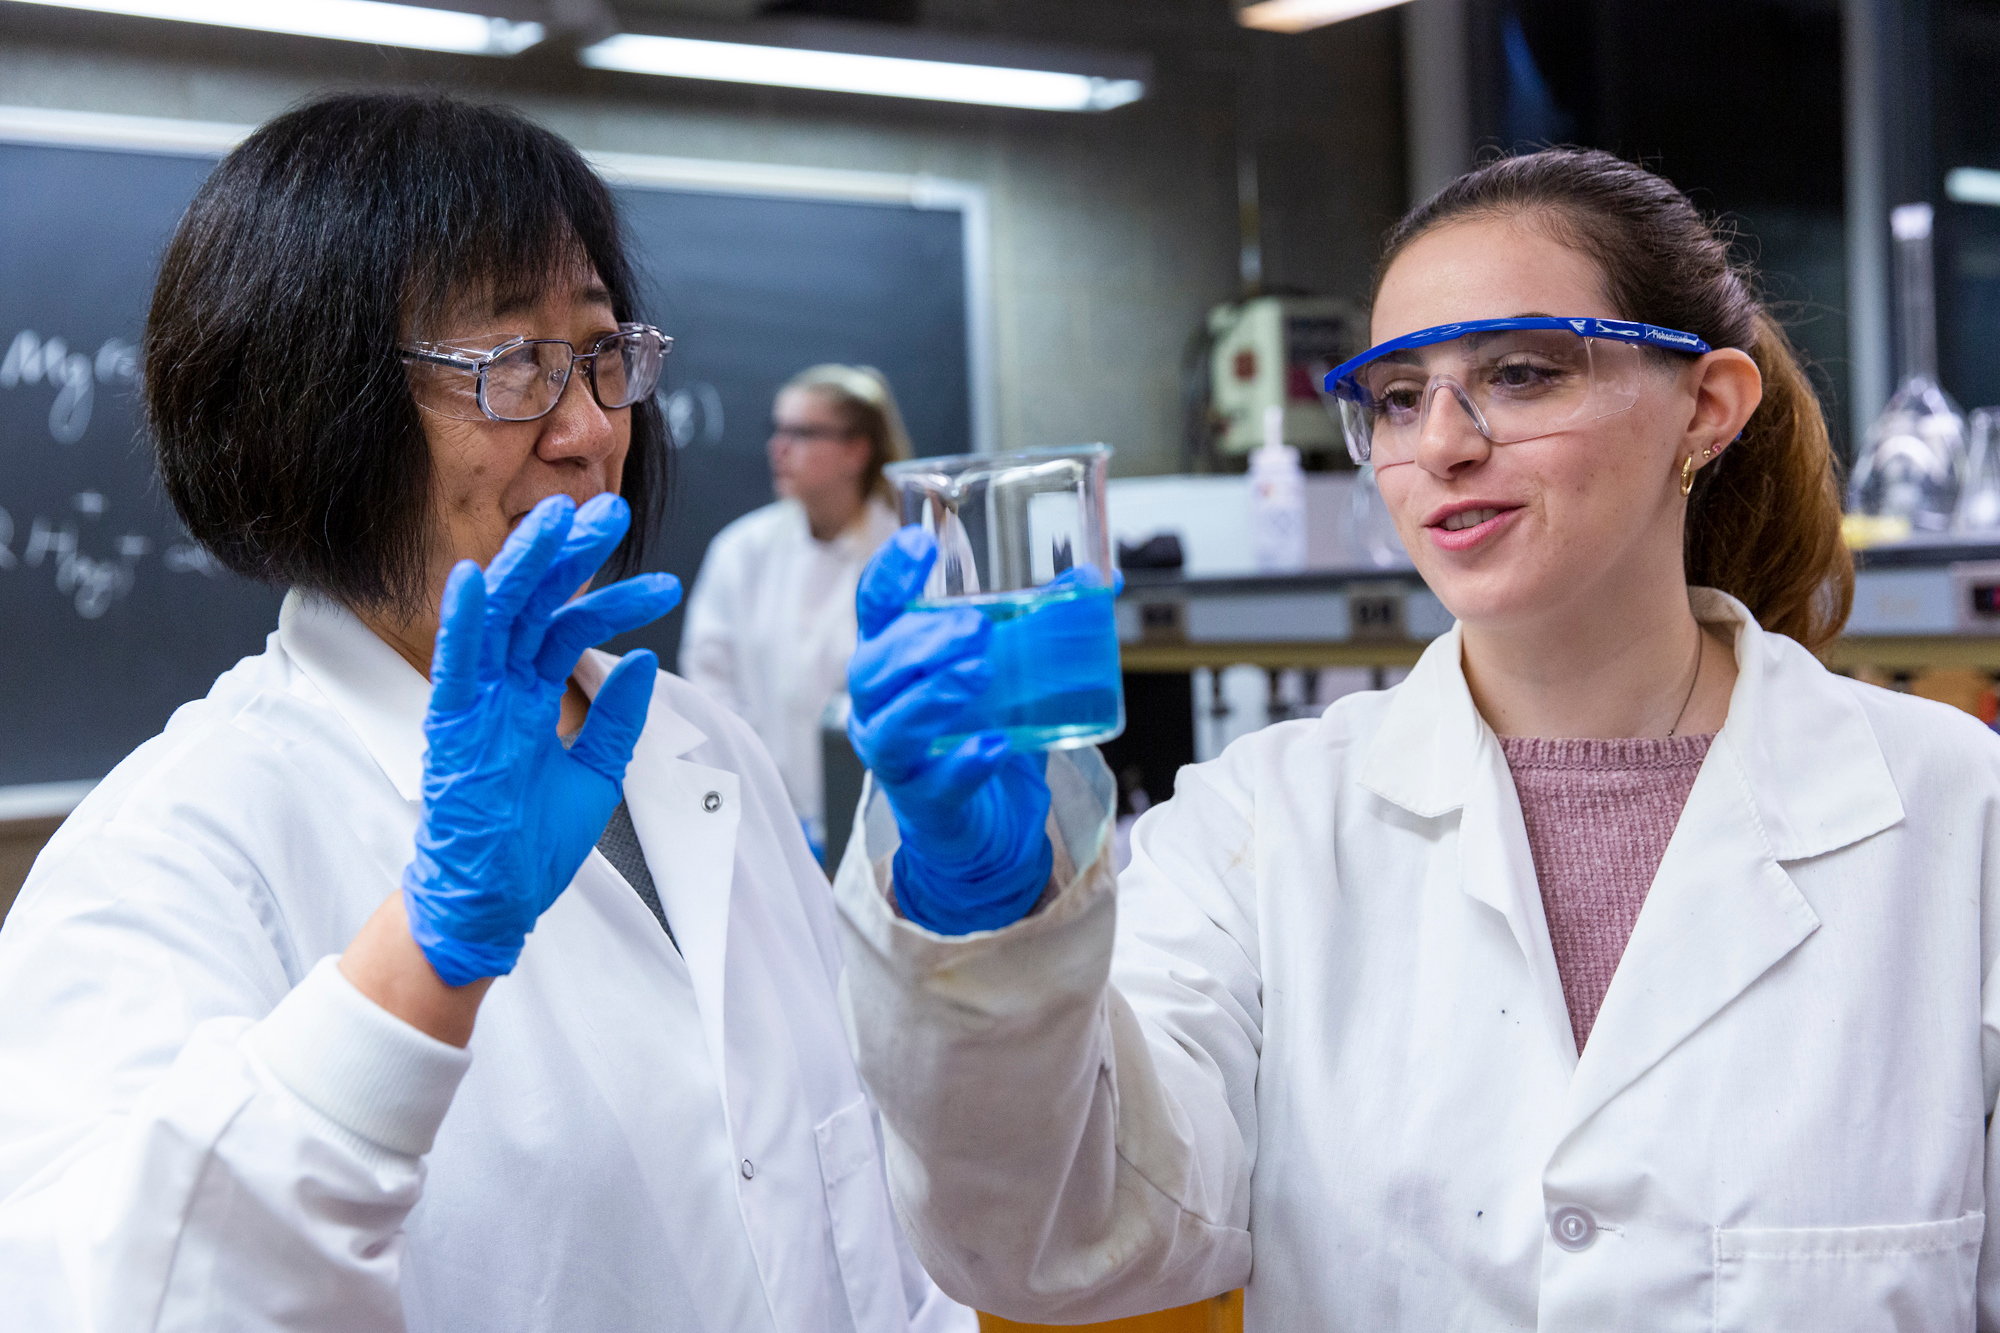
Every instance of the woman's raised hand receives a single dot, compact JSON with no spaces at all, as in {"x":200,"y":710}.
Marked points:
{"x":509,"y":814}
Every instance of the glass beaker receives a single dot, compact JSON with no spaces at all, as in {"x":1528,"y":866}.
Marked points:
{"x":1022,"y":539}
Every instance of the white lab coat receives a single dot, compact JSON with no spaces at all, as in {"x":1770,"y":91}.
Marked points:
{"x":203,"y":1125}
{"x":770,"y":626}
{"x":1333,"y":1037}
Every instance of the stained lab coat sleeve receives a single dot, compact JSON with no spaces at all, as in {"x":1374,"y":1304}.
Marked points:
{"x":204,"y":1145}
{"x":983,"y":1050}
{"x":708,"y":643}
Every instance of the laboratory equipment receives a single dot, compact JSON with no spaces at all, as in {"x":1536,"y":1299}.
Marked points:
{"x":1979,"y":501}
{"x":1911,"y":464}
{"x":1022,"y":539}
{"x":1270,"y":353}
{"x":1277,"y":501}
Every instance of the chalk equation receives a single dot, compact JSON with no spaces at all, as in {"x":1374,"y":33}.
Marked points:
{"x":694,"y":415}
{"x":33,"y":360}
{"x":91,"y":583}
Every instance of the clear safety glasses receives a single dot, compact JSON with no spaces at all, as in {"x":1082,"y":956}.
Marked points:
{"x":1517,"y":379}
{"x":521,"y":379}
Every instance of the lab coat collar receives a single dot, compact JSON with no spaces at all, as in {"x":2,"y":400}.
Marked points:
{"x":1720,"y":913}
{"x":377,"y":693}
{"x":383,"y":698}
{"x":1795,"y":772}
{"x":1805,"y":746}
{"x":1812,"y":767}
{"x":1421,"y":755}
{"x":668,"y":735}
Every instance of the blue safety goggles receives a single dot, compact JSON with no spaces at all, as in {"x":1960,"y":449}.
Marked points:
{"x":1517,"y":379}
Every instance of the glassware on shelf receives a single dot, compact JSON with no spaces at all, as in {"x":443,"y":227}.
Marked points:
{"x":1277,"y":501}
{"x":1374,"y":529}
{"x":1979,"y":502}
{"x":1912,"y":462}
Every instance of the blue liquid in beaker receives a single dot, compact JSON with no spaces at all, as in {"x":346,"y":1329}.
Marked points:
{"x":1056,"y":680}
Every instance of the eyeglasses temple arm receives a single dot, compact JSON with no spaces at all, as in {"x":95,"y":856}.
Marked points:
{"x":442,"y":359}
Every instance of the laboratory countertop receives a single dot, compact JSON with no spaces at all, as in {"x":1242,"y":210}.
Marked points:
{"x":1918,"y":605}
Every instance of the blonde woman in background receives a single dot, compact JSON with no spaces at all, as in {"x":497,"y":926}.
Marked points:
{"x":770,"y":624}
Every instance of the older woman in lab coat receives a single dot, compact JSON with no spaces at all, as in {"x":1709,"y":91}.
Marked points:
{"x":240,"y":1081}
{"x":1623,"y":968}
{"x":770,"y":622}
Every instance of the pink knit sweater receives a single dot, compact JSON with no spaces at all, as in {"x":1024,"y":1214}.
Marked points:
{"x":1599,"y":816}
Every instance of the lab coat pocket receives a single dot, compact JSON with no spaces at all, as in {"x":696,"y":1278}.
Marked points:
{"x":864,"y":1228}
{"x":1916,"y":1278}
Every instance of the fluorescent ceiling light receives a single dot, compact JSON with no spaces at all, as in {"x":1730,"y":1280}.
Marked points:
{"x":1972,"y":185}
{"x":343,"y":20}
{"x":844,"y":72}
{"x":1298,"y":15}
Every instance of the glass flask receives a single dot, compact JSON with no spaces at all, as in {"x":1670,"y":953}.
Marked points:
{"x":1022,"y":539}
{"x":1979,"y":502}
{"x":1912,"y":462}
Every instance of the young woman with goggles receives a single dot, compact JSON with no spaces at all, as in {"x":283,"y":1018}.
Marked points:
{"x":1622,"y":968}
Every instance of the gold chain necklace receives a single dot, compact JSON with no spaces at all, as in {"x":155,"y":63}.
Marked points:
{"x":1700,"y":644}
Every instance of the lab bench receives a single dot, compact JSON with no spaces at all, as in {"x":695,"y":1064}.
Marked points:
{"x":1918,"y":606}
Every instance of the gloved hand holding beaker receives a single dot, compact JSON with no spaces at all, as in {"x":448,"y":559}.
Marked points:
{"x":975,"y":852}
{"x":509,"y":814}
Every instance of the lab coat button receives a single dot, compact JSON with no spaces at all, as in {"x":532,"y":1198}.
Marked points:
{"x":1573,"y":1228}
{"x":749,"y":1167}
{"x":711,"y":803}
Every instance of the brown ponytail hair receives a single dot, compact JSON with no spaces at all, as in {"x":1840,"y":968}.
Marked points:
{"x":1763,"y":522}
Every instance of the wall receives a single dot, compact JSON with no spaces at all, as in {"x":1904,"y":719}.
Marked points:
{"x":1112,"y":233}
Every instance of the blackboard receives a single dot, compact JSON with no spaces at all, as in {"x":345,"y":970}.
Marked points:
{"x":110,"y":618}
{"x":755,"y":290}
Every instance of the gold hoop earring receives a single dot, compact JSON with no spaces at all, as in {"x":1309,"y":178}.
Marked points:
{"x":1687,"y":475}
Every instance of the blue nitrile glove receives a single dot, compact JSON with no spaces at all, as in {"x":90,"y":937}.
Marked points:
{"x":509,"y":814}
{"x":975,"y":853}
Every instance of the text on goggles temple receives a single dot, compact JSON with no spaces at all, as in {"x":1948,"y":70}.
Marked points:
{"x":1517,"y":379}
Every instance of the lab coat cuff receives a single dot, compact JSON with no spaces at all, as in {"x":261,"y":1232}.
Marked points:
{"x":357,"y":1064}
{"x":1082,"y":802}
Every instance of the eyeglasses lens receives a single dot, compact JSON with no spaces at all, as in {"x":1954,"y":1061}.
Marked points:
{"x":627,"y":367}
{"x":525,"y":383}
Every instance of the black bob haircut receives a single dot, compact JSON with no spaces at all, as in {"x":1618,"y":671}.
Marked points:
{"x":286,"y":434}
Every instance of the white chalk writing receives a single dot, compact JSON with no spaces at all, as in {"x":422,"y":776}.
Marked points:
{"x":694,"y":413}
{"x":32,"y":360}
{"x":92,"y":583}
